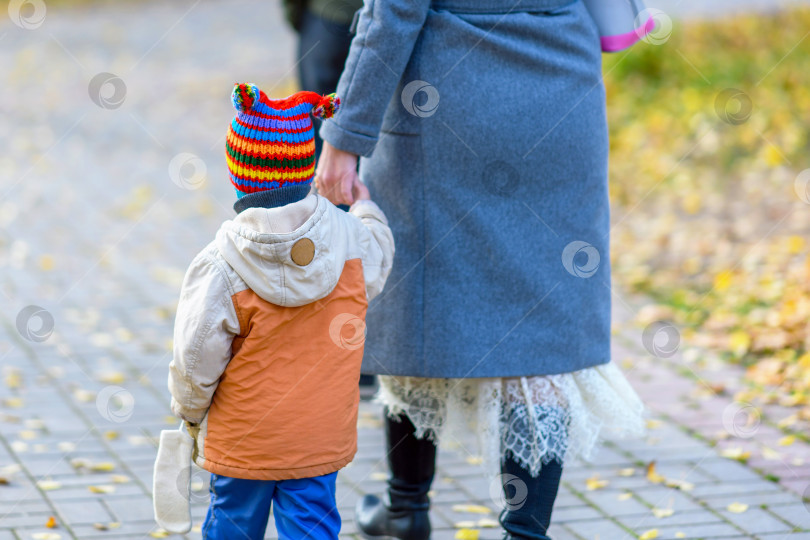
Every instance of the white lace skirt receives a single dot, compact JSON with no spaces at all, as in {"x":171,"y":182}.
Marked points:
{"x":533,"y":419}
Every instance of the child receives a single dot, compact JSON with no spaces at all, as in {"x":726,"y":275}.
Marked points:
{"x":270,"y":327}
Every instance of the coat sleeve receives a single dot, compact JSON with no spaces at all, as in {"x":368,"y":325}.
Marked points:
{"x":204,"y":329}
{"x":386,"y":34}
{"x":621,"y":23}
{"x":377,"y":244}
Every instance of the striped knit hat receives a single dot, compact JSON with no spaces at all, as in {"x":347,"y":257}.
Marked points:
{"x":271,"y":147}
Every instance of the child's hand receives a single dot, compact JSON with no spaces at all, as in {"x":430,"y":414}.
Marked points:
{"x":360,"y":191}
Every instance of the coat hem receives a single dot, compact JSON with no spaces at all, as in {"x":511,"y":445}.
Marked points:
{"x":500,"y":373}
{"x":275,"y":474}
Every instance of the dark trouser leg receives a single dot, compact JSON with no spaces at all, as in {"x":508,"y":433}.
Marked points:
{"x":412,"y":463}
{"x":323,"y":46}
{"x":529,"y":518}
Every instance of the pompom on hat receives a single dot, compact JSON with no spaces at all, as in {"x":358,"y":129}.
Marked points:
{"x":270,"y":148}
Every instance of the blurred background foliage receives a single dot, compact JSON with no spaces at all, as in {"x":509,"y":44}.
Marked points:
{"x":711,"y":211}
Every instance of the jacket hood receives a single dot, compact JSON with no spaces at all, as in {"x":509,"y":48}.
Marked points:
{"x":259,"y":243}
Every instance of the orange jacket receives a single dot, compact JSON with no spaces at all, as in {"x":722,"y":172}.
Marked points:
{"x":269,"y":337}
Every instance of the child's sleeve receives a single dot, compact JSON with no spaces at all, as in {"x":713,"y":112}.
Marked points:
{"x":621,"y":23}
{"x":377,"y":245}
{"x":204,"y":329}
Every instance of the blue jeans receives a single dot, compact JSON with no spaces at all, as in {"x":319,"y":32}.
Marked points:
{"x":303,"y":509}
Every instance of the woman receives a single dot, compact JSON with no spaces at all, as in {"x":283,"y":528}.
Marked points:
{"x":482,"y":129}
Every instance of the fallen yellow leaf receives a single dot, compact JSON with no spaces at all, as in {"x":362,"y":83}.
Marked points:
{"x":112,"y":377}
{"x":51,"y":523}
{"x":85,"y":396}
{"x":467,"y":534}
{"x":471,"y":509}
{"x":103,"y":466}
{"x":46,"y":263}
{"x":787,"y":421}
{"x":787,"y":440}
{"x":13,"y":379}
{"x":624,"y":496}
{"x":795,"y":244}
{"x":48,"y":485}
{"x":653,"y":476}
{"x":593,"y":483}
{"x":722,"y":281}
{"x":103,"y":489}
{"x":662,"y":512}
{"x":630,"y":471}
{"x":691,"y":203}
{"x":680,"y":534}
{"x":488,"y":523}
{"x":649,"y":535}
{"x":683,"y":485}
{"x":737,"y":507}
{"x":739,"y":342}
{"x":13,"y":403}
{"x":735,"y":453}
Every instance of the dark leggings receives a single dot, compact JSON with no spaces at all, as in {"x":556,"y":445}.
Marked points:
{"x":529,"y":500}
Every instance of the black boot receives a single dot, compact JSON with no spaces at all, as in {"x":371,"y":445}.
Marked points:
{"x":412,"y":463}
{"x":529,"y":500}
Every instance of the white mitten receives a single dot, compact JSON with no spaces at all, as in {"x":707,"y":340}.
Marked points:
{"x":172,"y":481}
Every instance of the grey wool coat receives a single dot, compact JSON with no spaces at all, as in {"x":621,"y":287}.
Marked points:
{"x":481,"y":126}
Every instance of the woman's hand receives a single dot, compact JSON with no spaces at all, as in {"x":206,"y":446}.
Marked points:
{"x":336,"y":175}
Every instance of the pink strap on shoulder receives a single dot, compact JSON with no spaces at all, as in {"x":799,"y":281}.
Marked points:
{"x":623,"y":41}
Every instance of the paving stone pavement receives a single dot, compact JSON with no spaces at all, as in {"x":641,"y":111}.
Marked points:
{"x":106,"y":193}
